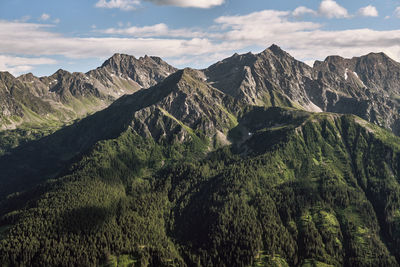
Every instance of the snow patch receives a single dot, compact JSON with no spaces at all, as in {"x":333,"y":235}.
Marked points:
{"x":345,"y":74}
{"x":362,"y":83}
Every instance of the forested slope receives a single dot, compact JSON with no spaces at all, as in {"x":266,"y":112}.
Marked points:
{"x":319,"y":188}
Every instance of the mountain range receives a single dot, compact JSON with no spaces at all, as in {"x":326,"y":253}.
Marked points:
{"x":258,"y":160}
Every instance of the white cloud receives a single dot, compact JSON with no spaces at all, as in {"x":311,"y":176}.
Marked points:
{"x":331,"y":9}
{"x":189,"y":3}
{"x":121,"y":4}
{"x":157,"y":30}
{"x":397,"y":12}
{"x":302,"y":10}
{"x":44,"y":17}
{"x":261,"y":25}
{"x":34,"y":39}
{"x":305,"y":40}
{"x":17,"y":65}
{"x":56,"y":21}
{"x":133,"y":4}
{"x":368,"y":11}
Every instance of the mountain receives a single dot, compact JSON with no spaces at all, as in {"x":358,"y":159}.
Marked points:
{"x":181,"y":108}
{"x":145,"y":71}
{"x":33,"y":107}
{"x":66,"y":96}
{"x":227,"y":166}
{"x":271,"y":78}
{"x":366,"y":86}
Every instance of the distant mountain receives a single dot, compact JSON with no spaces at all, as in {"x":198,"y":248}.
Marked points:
{"x":270,"y":78}
{"x":66,"y":96}
{"x":367,"y":86}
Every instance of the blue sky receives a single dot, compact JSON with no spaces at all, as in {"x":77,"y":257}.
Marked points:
{"x":41,"y":36}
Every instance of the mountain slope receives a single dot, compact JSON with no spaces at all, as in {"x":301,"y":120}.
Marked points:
{"x":182,"y":108}
{"x":308,"y":191}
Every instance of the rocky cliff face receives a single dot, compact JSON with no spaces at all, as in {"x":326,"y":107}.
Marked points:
{"x":366,"y":86}
{"x":65,"y":96}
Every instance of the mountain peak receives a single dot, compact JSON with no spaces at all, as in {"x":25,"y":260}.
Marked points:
{"x":186,"y":79}
{"x":378,"y":57}
{"x":275,"y":47}
{"x":6,"y":74}
{"x":61,"y":72}
{"x":191,"y":72}
{"x":334,"y":58}
{"x":276,"y":50}
{"x":116,"y":59}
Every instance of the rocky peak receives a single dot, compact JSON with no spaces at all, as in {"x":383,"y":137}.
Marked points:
{"x":60,"y":74}
{"x":145,"y":71}
{"x":276,"y":50}
{"x":117,"y":60}
{"x":27,"y":77}
{"x":6,"y":75}
{"x":376,"y":71}
{"x":270,"y":78}
{"x":379,"y":72}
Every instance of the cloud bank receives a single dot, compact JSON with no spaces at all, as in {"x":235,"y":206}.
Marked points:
{"x":306,"y":40}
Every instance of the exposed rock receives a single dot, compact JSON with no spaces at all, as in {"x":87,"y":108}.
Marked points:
{"x":367,"y":86}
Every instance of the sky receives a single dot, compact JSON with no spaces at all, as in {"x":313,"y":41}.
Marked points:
{"x":42,"y":36}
